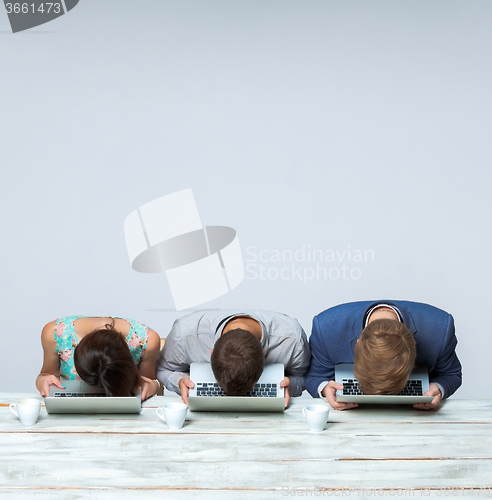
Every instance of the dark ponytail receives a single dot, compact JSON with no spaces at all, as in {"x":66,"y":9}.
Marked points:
{"x":103,"y":359}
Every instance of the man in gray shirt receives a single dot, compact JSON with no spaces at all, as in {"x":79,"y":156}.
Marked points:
{"x":237,"y":343}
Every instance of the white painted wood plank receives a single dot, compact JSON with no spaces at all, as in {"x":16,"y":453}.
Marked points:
{"x":235,"y":422}
{"x":235,"y":494}
{"x":288,"y":424}
{"x":160,"y":473}
{"x":327,"y":446}
{"x":137,"y":494}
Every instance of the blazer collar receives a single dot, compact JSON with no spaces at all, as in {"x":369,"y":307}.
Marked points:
{"x":358,"y":322}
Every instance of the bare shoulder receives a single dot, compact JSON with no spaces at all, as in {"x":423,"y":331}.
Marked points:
{"x":48,"y":332}
{"x":153,"y":340}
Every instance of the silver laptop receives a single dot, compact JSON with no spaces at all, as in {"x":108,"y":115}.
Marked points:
{"x":207,"y":395}
{"x":417,"y":384}
{"x":79,"y":397}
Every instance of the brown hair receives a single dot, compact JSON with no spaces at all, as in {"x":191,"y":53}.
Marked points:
{"x":103,"y":359}
{"x":237,"y":361}
{"x":384,"y":357}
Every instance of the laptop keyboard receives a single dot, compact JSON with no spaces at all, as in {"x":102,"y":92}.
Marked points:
{"x":413,"y":388}
{"x":79,"y":394}
{"x":214,"y":389}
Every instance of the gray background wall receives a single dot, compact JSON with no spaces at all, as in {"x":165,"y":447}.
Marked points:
{"x":307,"y":124}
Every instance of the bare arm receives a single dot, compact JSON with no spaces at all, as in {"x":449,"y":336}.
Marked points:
{"x":146,"y":366}
{"x":50,"y":371}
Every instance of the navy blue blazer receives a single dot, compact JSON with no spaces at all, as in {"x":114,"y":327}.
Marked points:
{"x":336,"y":330}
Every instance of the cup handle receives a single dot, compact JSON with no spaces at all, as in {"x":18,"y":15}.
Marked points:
{"x":304,"y":411}
{"x":160,"y":413}
{"x":12,"y":409}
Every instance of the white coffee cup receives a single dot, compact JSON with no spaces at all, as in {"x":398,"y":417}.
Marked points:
{"x":316,"y":417}
{"x":27,"y":410}
{"x":173,"y":414}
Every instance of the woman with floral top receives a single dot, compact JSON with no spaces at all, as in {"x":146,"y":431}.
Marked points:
{"x":116,"y":354}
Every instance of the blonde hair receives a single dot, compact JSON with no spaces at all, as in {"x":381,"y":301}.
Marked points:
{"x":384,"y":357}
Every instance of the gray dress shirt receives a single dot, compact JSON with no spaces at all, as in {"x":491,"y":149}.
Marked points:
{"x":193,"y":336}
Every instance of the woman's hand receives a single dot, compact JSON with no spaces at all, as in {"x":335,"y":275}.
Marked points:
{"x":44,"y":381}
{"x":149,"y":388}
{"x":50,"y":371}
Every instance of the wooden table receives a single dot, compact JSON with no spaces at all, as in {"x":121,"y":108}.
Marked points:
{"x":366,"y":452}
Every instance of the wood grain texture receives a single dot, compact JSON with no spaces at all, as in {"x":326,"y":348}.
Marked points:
{"x":214,"y":494}
{"x":241,"y":474}
{"x":248,"y":455}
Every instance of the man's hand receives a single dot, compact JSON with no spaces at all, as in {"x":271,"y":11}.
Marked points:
{"x":185,"y":384}
{"x":149,"y":388}
{"x":435,"y":403}
{"x":43,"y":383}
{"x":329,"y":392}
{"x":285,"y":384}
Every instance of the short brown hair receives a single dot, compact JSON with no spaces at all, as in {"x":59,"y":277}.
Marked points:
{"x":237,"y":361}
{"x":103,"y":359}
{"x":384,"y":357}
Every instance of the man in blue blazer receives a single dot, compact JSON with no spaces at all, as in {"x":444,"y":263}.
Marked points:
{"x":424,"y":334}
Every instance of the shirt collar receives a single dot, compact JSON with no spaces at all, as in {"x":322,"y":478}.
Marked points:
{"x":377,"y":306}
{"x":223,"y":323}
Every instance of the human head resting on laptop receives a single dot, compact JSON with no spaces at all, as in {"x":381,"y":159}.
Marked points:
{"x":237,"y":361}
{"x":384,"y":357}
{"x":334,"y":341}
{"x":250,"y":338}
{"x":103,"y":359}
{"x":116,"y":354}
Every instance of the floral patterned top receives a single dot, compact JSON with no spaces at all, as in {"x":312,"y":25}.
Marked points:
{"x":66,"y":341}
